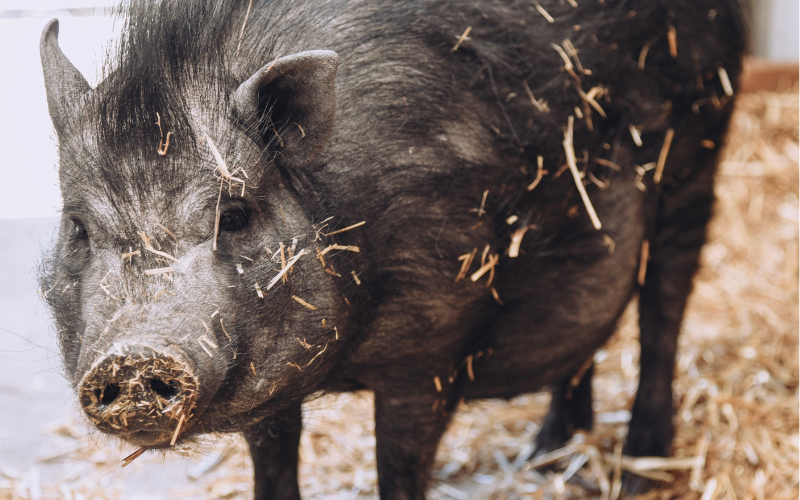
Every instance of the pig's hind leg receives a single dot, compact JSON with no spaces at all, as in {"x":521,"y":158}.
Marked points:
{"x":680,"y":216}
{"x":570,"y":410}
{"x":274,"y":445}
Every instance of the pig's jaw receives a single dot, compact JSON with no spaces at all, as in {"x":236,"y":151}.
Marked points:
{"x":148,"y":439}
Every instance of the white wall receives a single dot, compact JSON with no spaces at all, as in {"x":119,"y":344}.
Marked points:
{"x":28,"y":158}
{"x":775,"y":25}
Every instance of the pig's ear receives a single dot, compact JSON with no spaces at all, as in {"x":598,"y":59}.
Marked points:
{"x":65,"y":85}
{"x":293,"y":97}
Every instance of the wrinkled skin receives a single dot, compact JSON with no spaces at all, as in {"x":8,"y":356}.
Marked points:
{"x":333,"y":114}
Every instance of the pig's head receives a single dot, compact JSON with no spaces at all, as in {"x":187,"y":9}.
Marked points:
{"x":186,"y":282}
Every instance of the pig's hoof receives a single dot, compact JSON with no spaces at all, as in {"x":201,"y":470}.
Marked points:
{"x":552,"y":437}
{"x":633,"y":485}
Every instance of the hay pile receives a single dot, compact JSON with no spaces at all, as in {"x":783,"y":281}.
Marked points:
{"x":737,"y":382}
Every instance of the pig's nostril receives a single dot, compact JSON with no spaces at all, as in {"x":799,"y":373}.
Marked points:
{"x":165,"y":390}
{"x":110,"y":393}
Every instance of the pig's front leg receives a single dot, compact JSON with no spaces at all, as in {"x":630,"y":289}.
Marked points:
{"x":681,"y":216}
{"x":274,"y":444}
{"x":407,"y":432}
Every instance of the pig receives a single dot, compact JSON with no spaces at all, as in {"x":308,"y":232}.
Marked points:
{"x":434,"y":201}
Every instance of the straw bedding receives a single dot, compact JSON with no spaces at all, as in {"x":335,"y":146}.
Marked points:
{"x":736,"y":383}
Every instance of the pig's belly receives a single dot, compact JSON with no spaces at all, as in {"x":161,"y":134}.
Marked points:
{"x":553,"y":324}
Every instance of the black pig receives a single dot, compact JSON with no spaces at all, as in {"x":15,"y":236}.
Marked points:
{"x":429,"y":200}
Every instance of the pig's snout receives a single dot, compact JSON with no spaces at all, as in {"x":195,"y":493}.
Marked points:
{"x":141,"y":394}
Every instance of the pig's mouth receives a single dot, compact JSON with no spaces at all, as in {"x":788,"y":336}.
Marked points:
{"x":148,"y":439}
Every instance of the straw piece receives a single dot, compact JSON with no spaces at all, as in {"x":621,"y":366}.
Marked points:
{"x":610,"y":164}
{"x":710,"y":489}
{"x":728,"y":486}
{"x":672,"y":37}
{"x":222,"y":167}
{"x":616,"y":485}
{"x":516,"y":241}
{"x":540,"y":104}
{"x":321,"y":258}
{"x":725,"y":81}
{"x":588,"y":97}
{"x":177,"y":431}
{"x":241,"y":32}
{"x":208,"y":341}
{"x":466,"y":261}
{"x":597,"y":465}
{"x":348,"y":228}
{"x":551,"y":457}
{"x":696,"y":476}
{"x":573,"y":168}
{"x":146,"y":239}
{"x":461,"y":39}
{"x":643,"y":55}
{"x":438,"y":383}
{"x":481,"y":210}
{"x":217,"y":215}
{"x":662,"y":463}
{"x":662,"y":157}
{"x":133,"y":456}
{"x":131,"y":254}
{"x":223,"y":329}
{"x":283,"y":260}
{"x":568,"y":66}
{"x":210,"y":355}
{"x":637,"y":138}
{"x":573,"y":53}
{"x":348,"y":248}
{"x":644,"y":256}
{"x":303,"y":303}
{"x":355,"y":277}
{"x":496,"y":295}
{"x":170,"y":234}
{"x":543,"y":12}
{"x":539,"y":175}
{"x":283,"y":216}
{"x":493,"y":259}
{"x":286,"y":268}
{"x":162,"y":151}
{"x":317,"y":355}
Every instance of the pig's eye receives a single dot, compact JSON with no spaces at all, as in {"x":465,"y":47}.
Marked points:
{"x":79,"y":230}
{"x":234,"y":219}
